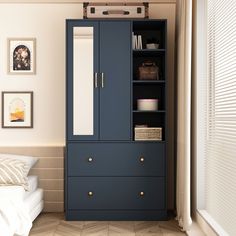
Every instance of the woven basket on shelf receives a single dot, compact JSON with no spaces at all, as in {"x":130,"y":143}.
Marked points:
{"x":148,"y":133}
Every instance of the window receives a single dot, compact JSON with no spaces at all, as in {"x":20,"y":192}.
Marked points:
{"x":216,"y":124}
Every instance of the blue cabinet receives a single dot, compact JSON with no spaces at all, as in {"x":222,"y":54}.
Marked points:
{"x":96,"y":90}
{"x":109,"y":175}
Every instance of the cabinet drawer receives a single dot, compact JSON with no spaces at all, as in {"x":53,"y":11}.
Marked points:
{"x":116,"y":159}
{"x":116,"y":193}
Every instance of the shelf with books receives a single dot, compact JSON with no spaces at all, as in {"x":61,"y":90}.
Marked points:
{"x":147,"y":88}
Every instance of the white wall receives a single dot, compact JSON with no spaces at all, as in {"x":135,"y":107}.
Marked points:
{"x":45,"y":22}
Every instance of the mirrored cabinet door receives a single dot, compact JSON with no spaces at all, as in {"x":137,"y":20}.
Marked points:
{"x":82,"y":78}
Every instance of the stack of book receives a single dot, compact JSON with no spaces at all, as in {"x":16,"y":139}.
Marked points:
{"x":137,"y":41}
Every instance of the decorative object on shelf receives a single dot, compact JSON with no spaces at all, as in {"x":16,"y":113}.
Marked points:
{"x":21,"y":56}
{"x":148,"y":71}
{"x":17,"y":109}
{"x":137,"y":41}
{"x":115,"y":10}
{"x":147,"y":104}
{"x":152,"y":43}
{"x":148,"y":133}
{"x":152,"y":46}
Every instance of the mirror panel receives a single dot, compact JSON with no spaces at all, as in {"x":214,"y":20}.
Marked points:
{"x":83,"y":94}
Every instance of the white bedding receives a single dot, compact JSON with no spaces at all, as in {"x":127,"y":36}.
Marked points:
{"x":18,"y":208}
{"x":18,"y":191}
{"x":33,"y":199}
{"x":14,"y":216}
{"x":33,"y":185}
{"x":37,"y":210}
{"x":14,"y":192}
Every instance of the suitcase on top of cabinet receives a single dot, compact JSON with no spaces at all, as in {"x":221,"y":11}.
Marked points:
{"x":115,"y":10}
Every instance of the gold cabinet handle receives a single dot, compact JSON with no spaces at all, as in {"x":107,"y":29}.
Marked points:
{"x":90,"y":159}
{"x":90,"y":194}
{"x":103,"y":85}
{"x":96,"y":80}
{"x":141,"y":159}
{"x":141,"y":193}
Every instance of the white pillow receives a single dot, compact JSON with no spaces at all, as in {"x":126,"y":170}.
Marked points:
{"x":13,"y":172}
{"x":29,"y":160}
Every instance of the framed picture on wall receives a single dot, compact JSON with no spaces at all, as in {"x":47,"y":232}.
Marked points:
{"x":17,"y":109}
{"x":21,"y":56}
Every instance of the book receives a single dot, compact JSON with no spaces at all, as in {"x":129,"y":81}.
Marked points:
{"x":140,"y":44}
{"x":133,"y":40}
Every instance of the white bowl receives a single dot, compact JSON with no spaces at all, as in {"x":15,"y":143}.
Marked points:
{"x":147,"y":104}
{"x":152,"y":46}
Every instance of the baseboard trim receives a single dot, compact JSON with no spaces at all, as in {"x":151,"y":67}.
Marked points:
{"x":195,"y":230}
{"x":88,"y":215}
{"x":204,"y":226}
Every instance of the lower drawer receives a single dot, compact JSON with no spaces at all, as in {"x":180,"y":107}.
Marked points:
{"x":116,"y":193}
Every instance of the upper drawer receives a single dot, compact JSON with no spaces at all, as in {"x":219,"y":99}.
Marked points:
{"x":116,"y":159}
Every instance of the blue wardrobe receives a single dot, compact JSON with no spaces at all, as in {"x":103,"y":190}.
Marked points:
{"x":109,"y":174}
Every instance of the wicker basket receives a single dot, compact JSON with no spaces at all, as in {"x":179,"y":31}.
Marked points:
{"x":148,"y":133}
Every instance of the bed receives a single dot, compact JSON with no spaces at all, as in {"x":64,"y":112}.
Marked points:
{"x":25,"y":205}
{"x":33,"y":198}
{"x":21,"y":201}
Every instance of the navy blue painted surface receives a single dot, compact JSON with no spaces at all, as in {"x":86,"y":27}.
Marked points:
{"x":69,"y":72}
{"x":116,"y":193}
{"x":115,"y":175}
{"x":116,"y":215}
{"x":115,"y":63}
{"x":116,"y":159}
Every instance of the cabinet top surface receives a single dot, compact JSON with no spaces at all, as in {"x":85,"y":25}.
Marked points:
{"x":118,"y":19}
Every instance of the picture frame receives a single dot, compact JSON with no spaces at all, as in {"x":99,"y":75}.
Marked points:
{"x":17,"y":109}
{"x":21,"y":56}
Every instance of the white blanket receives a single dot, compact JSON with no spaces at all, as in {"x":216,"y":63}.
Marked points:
{"x":14,"y":216}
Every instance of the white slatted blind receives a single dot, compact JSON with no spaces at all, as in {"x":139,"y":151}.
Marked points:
{"x":220,"y":158}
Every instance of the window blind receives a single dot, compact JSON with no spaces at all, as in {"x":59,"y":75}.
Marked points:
{"x":220,"y":156}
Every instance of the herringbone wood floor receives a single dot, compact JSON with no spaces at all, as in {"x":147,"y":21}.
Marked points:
{"x":52,"y":224}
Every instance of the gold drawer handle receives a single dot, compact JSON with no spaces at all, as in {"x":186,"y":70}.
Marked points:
{"x":90,"y":159}
{"x":141,"y":159}
{"x":90,"y":194}
{"x":141,"y":193}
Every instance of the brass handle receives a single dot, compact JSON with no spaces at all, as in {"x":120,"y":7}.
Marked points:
{"x":141,"y":159}
{"x":102,"y":80}
{"x":141,"y":193}
{"x":90,"y":159}
{"x":96,"y":80}
{"x":90,"y":194}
